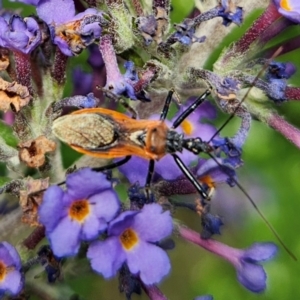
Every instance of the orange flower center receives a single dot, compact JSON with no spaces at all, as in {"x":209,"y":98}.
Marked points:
{"x":285,"y":5}
{"x":3,"y":271}
{"x":187,"y":127}
{"x":79,"y":210}
{"x":129,"y":239}
{"x":207,"y":180}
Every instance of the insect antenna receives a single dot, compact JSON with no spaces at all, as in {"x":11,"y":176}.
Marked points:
{"x":257,"y":209}
{"x":272,"y":229}
{"x":232,"y":115}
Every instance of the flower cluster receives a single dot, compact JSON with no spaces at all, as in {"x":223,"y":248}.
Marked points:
{"x":78,"y":205}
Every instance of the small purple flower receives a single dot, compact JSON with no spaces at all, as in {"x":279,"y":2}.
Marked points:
{"x":230,"y":13}
{"x":280,"y":70}
{"x":289,"y":9}
{"x":88,"y":101}
{"x":71,"y":33}
{"x":246,"y":261}
{"x":79,"y":213}
{"x":22,"y":35}
{"x":11,"y":280}
{"x":185,"y":33}
{"x":131,"y":239}
{"x":117,"y":83}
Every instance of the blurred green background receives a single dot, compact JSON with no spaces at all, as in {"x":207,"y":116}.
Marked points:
{"x":271,"y":175}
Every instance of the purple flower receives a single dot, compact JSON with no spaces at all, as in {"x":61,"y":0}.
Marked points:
{"x":79,"y":213}
{"x":137,"y":168}
{"x":131,"y":239}
{"x":289,"y":9}
{"x":246,"y":261}
{"x":71,"y":33}
{"x":117,"y":83}
{"x":230,"y":13}
{"x":11,"y":280}
{"x":185,"y":33}
{"x":280,"y":70}
{"x":22,"y":35}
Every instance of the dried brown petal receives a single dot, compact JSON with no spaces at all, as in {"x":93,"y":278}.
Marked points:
{"x":13,"y":93}
{"x":4,"y":59}
{"x":31,"y":198}
{"x":32,"y":152}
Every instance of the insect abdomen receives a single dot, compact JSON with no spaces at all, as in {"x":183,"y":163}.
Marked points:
{"x":88,"y":131}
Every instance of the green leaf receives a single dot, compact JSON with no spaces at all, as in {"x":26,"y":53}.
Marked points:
{"x":7,"y":134}
{"x":4,"y":180}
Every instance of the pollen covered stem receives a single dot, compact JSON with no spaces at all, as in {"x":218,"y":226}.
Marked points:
{"x":269,"y":16}
{"x":286,"y":129}
{"x":23,"y":69}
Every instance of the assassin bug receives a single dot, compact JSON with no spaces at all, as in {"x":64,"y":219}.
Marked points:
{"x":109,"y":134}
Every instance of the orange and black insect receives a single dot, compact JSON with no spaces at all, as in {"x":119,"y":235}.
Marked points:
{"x":109,"y":134}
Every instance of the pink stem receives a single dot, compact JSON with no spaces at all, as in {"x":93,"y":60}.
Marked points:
{"x":269,"y":16}
{"x":153,"y":292}
{"x":286,"y":129}
{"x":292,"y":93}
{"x":222,"y":250}
{"x":23,"y":69}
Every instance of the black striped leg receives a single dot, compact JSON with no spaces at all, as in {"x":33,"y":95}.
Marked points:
{"x":200,"y":189}
{"x":165,"y":110}
{"x":149,"y":177}
{"x":190,"y":109}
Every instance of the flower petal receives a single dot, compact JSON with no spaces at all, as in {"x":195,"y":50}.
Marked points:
{"x":91,"y":227}
{"x":9,"y":255}
{"x":135,"y":170}
{"x":105,"y":205}
{"x":85,"y":182}
{"x":50,"y":211}
{"x":13,"y":282}
{"x":106,"y":257}
{"x":64,"y":238}
{"x":56,"y":11}
{"x":252,"y":276}
{"x":150,"y":261}
{"x":260,"y":252}
{"x":152,"y":224}
{"x":123,"y":221}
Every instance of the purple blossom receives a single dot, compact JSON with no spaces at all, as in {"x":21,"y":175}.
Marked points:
{"x":166,"y":167}
{"x":20,"y":34}
{"x":79,"y":213}
{"x":71,"y":33}
{"x":117,"y":83}
{"x":230,"y":13}
{"x":289,"y":9}
{"x":280,"y":70}
{"x":131,"y":240}
{"x":185,"y":33}
{"x":246,"y":261}
{"x":11,"y":280}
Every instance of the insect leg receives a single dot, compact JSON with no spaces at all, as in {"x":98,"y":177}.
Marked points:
{"x":149,"y":176}
{"x":165,"y":110}
{"x":113,"y":165}
{"x":200,"y":189}
{"x":190,"y":109}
